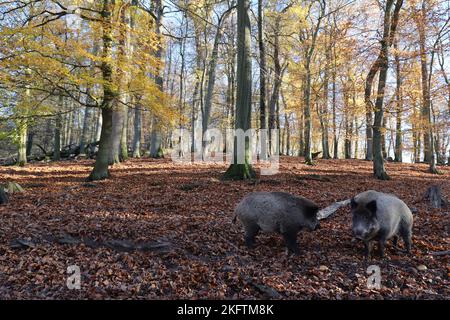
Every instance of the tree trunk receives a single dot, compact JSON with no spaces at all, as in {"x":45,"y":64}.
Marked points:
{"x":137,"y":129}
{"x":57,"y":142}
{"x":273,"y":117}
{"x":307,"y":93}
{"x":348,"y":125}
{"x":323,"y":114}
{"x":262,"y":76}
{"x":307,"y":113}
{"x":211,"y":82}
{"x":117,"y":123}
{"x":30,"y":137}
{"x":243,"y":171}
{"x":156,"y":151}
{"x":22,"y":128}
{"x":399,"y":108}
{"x":335,"y":137}
{"x":262,"y":67}
{"x":156,"y":138}
{"x":426,"y":96}
{"x":101,"y":167}
{"x":84,"y":132}
{"x":390,"y":26}
{"x":383,"y":138}
{"x":124,"y":135}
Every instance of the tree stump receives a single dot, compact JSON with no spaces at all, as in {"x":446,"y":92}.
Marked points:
{"x":316,"y":155}
{"x":434,"y":195}
{"x":3,"y":196}
{"x":13,"y":187}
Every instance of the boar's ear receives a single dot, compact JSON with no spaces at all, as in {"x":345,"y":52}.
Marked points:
{"x":372,"y":206}
{"x":353,"y":203}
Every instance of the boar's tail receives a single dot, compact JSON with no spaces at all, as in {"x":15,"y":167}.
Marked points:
{"x":234,"y":218}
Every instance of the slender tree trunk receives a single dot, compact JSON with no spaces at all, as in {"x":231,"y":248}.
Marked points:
{"x":262,"y":74}
{"x":383,"y":138}
{"x":288,"y":135}
{"x":356,"y":137}
{"x":390,"y":25}
{"x":69,"y":127}
{"x":301,"y":131}
{"x":399,"y":108}
{"x":57,"y":137}
{"x":262,"y":66}
{"x":307,"y":94}
{"x":85,"y":129}
{"x":211,"y":81}
{"x":348,"y":130}
{"x":30,"y":138}
{"x":117,"y":123}
{"x":137,"y":129}
{"x":307,"y":115}
{"x":335,"y":137}
{"x":278,"y":75}
{"x":323,"y":113}
{"x":22,"y":129}
{"x":421,"y":22}
{"x":156,"y":137}
{"x":124,"y":135}
{"x":98,"y":127}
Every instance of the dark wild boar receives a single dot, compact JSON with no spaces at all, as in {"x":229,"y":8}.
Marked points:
{"x":276,"y":212}
{"x":379,"y":216}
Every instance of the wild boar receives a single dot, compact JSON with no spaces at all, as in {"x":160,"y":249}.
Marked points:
{"x":380,"y":216}
{"x":276,"y":212}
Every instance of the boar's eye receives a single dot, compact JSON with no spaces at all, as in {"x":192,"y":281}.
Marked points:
{"x":353,"y":203}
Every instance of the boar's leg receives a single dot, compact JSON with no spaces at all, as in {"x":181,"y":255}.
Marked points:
{"x":382,"y":245}
{"x":367,"y":249}
{"x":395,"y":241}
{"x":407,"y":237}
{"x":290,"y":237}
{"x":250,"y":233}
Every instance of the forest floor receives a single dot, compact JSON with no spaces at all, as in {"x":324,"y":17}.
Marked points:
{"x":157,"y":230}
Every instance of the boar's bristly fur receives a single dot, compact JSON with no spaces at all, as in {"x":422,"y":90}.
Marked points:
{"x":381,"y":216}
{"x":276,"y":212}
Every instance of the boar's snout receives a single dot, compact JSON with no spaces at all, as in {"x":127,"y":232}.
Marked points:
{"x":361,"y":233}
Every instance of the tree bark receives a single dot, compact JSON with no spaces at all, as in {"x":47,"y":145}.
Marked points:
{"x":399,"y":107}
{"x":278,"y":75}
{"x":262,"y":67}
{"x":156,"y":137}
{"x":57,"y":136}
{"x":101,"y":167}
{"x":390,"y":26}
{"x":307,"y":92}
{"x":22,"y":129}
{"x":211,"y":81}
{"x":137,"y":129}
{"x":243,"y":171}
